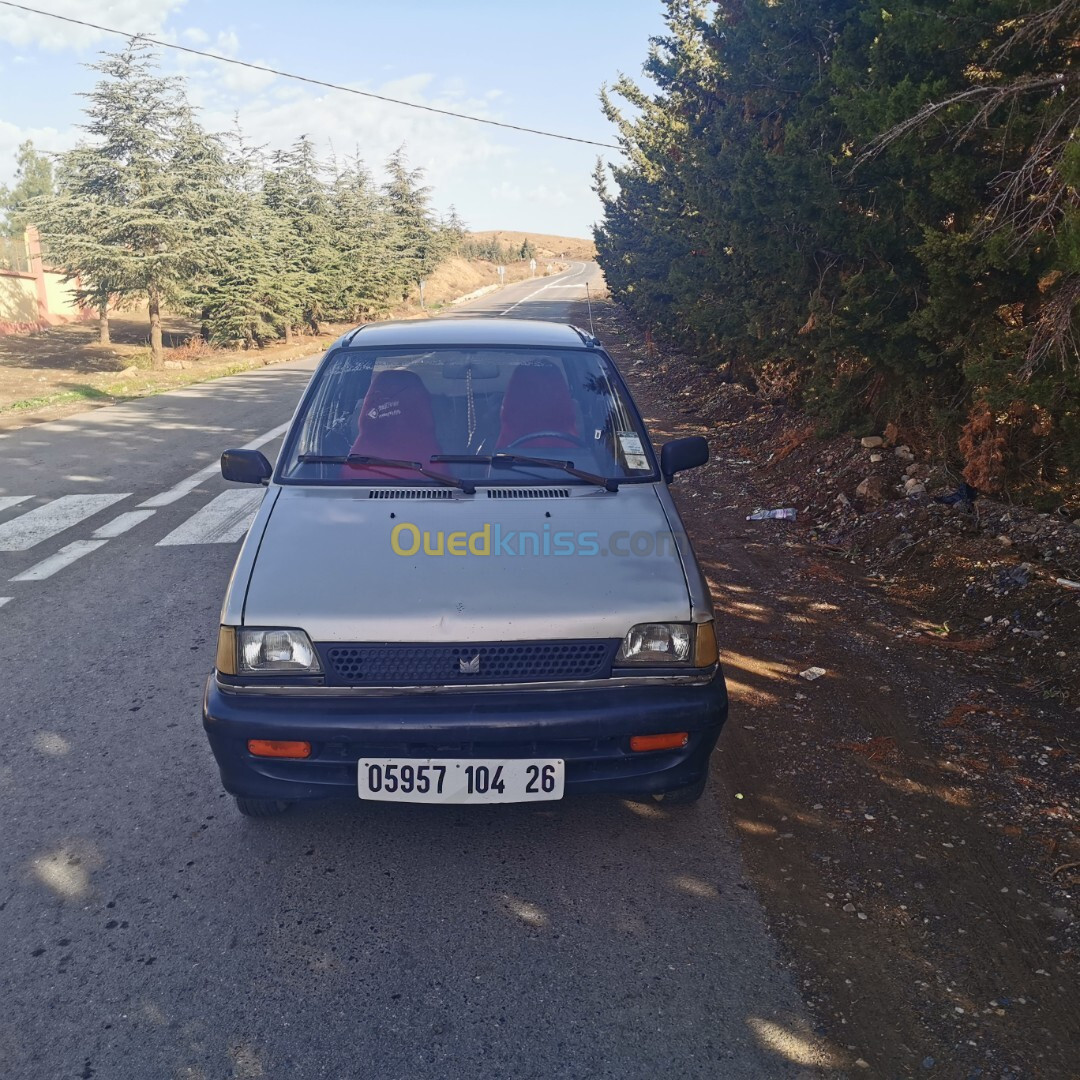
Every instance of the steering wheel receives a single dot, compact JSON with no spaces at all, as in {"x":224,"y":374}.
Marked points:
{"x":565,"y":436}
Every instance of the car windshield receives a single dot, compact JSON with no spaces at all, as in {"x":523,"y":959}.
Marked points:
{"x":371,"y":412}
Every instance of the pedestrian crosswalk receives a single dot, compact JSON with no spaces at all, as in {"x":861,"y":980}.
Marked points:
{"x":28,"y":522}
{"x":30,"y":529}
{"x":224,"y":519}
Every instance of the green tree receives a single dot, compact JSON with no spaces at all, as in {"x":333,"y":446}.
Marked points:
{"x":33,"y":180}
{"x":295,"y":190}
{"x":365,"y":240}
{"x":417,"y":245}
{"x":453,"y":229}
{"x":248,"y":296}
{"x":139,"y":204}
{"x":910,"y":288}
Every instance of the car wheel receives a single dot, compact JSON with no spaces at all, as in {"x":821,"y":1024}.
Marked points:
{"x":690,"y":793}
{"x":260,"y":807}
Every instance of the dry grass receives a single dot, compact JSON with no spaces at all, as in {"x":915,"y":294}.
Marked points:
{"x":547,"y":247}
{"x":459,"y":277}
{"x":54,"y":372}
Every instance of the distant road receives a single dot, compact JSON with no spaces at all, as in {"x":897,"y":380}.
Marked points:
{"x":550,"y":298}
{"x":148,"y":932}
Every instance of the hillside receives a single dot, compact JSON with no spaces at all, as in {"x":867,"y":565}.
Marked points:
{"x":547,"y":247}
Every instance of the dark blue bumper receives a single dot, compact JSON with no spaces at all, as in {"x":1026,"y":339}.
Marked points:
{"x":589,"y":728}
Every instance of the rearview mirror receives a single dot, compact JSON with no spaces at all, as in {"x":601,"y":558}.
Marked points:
{"x":473,"y":369}
{"x":683,"y":454}
{"x":245,"y":467}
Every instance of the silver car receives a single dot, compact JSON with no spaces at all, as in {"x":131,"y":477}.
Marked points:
{"x":467,"y":583}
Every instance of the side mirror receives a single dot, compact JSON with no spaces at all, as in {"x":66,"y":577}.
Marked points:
{"x":245,"y":467}
{"x":683,"y":454}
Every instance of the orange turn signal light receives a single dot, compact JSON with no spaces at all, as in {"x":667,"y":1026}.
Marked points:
{"x":674,"y":740}
{"x":278,"y":748}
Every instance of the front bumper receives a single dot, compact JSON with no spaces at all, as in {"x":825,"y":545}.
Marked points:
{"x":589,"y":728}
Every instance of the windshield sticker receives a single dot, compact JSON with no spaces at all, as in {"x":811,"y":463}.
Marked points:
{"x":633,"y":451}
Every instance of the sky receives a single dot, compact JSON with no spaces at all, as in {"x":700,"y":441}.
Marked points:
{"x":539,"y":65}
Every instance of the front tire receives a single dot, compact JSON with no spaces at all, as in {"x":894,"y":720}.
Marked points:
{"x":686,"y":795}
{"x":260,"y":808}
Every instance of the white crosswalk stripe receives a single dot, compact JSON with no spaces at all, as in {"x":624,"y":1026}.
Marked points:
{"x":64,"y":557}
{"x":43,"y":522}
{"x":120,"y":525}
{"x":224,"y":520}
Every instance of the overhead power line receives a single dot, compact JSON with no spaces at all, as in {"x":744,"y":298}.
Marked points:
{"x":306,"y":79}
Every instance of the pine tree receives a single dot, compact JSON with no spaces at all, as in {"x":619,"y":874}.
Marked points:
{"x":151,"y":207}
{"x":453,"y":230}
{"x":295,"y":191}
{"x":244,"y":297}
{"x":33,"y":180}
{"x":365,"y":235}
{"x":416,"y":245}
{"x":139,"y":205}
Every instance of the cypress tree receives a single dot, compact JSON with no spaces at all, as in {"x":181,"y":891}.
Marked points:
{"x":869,"y":210}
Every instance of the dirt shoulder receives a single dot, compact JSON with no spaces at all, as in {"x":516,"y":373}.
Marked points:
{"x":53,"y":373}
{"x":909,"y":817}
{"x":61,"y":371}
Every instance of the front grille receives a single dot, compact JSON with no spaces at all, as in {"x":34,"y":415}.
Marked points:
{"x":469,"y":662}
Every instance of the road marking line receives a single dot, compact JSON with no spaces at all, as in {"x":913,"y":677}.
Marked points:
{"x":12,"y":500}
{"x":543,"y":288}
{"x":31,"y":528}
{"x":121,"y":524}
{"x":4,"y":600}
{"x":223,"y":520}
{"x":181,"y":489}
{"x":64,"y":557}
{"x":178,"y":491}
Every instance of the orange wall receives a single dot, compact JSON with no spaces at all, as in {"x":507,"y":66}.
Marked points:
{"x":38,"y":299}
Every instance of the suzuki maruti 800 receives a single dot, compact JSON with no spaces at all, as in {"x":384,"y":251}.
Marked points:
{"x":467,"y":583}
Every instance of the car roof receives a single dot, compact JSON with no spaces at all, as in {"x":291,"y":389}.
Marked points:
{"x":497,"y":332}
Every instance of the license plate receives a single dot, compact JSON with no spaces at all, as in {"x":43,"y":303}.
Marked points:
{"x":469,"y":780}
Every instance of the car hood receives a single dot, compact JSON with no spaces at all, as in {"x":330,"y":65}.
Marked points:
{"x":326,"y":564}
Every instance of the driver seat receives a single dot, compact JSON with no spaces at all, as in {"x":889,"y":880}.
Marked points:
{"x":537,"y":399}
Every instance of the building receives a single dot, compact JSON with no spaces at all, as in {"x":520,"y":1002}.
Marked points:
{"x":32,"y":295}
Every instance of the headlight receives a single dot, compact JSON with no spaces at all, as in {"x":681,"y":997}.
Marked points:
{"x":669,"y":643}
{"x":266,"y":652}
{"x":657,"y":643}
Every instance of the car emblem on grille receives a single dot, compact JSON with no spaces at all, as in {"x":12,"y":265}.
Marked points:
{"x":469,"y":667}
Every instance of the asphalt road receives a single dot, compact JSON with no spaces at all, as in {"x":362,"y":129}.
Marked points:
{"x":147,"y":930}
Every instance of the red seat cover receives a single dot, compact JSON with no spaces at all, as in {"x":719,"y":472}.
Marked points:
{"x":396,"y":421}
{"x":537,"y":399}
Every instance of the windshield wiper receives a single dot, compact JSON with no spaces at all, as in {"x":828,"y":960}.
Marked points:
{"x":363,"y":459}
{"x":505,"y":461}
